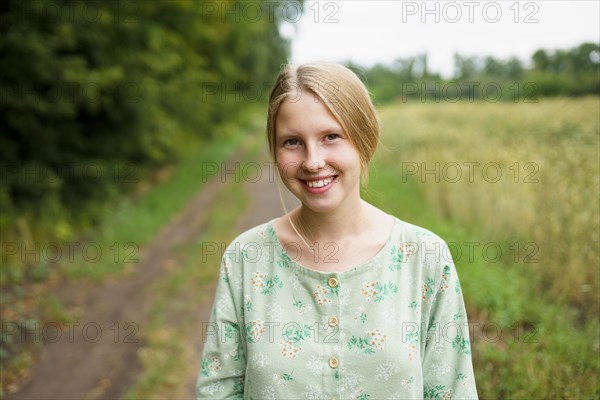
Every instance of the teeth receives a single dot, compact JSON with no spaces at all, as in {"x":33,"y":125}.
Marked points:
{"x":319,"y":184}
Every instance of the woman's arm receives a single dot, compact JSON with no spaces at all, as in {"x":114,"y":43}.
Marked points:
{"x":447,"y":364}
{"x":223,"y":360}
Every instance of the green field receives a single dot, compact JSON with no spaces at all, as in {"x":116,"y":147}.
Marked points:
{"x":534,"y":306}
{"x":114,"y":118}
{"x":514,"y":188}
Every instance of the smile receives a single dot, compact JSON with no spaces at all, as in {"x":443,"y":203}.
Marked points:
{"x":317,"y":186}
{"x":320,"y":183}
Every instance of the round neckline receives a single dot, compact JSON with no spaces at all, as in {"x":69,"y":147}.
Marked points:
{"x":365,"y":266}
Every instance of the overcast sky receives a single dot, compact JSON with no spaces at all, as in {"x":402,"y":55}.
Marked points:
{"x":368,"y":32}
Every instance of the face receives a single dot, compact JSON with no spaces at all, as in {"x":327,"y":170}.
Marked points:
{"x":315,"y":157}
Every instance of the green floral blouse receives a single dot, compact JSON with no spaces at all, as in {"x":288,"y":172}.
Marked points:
{"x":394,"y":327}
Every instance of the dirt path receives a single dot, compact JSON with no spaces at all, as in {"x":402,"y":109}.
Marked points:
{"x":97,"y":359}
{"x":264,"y":204}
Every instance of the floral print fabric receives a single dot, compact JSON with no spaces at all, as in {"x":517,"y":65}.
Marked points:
{"x":392,"y":328}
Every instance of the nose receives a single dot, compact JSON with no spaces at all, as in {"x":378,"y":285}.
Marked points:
{"x":313,"y":161}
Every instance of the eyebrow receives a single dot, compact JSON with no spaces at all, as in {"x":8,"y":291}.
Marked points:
{"x":330,"y":129}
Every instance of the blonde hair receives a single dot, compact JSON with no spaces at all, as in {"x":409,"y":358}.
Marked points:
{"x":343,"y":94}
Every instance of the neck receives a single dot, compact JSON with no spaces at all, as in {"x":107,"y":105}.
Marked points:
{"x":337,"y":226}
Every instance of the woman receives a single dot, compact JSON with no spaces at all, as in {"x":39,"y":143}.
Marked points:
{"x":335,"y":299}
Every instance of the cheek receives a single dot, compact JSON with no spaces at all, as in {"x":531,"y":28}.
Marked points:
{"x":288,"y":168}
{"x":348,"y":160}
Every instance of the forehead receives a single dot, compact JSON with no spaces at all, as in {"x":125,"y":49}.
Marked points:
{"x":304,"y":114}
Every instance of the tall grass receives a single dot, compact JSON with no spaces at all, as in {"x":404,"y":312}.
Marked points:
{"x":523,"y":175}
{"x":537,"y":202}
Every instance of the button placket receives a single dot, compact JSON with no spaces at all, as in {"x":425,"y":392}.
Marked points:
{"x":333,"y":347}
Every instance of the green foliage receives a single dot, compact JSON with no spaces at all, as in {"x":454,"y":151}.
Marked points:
{"x":89,"y":90}
{"x":123,"y":227}
{"x":534,"y":310}
{"x":104,"y":98}
{"x":572,"y":72}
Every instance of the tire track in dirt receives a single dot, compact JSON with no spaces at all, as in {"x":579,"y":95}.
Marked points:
{"x":101,"y":361}
{"x":94,"y":365}
{"x":264,"y":205}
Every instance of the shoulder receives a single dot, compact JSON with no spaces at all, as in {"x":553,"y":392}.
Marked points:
{"x":253,"y":239}
{"x":417,"y":234}
{"x":424,"y":249}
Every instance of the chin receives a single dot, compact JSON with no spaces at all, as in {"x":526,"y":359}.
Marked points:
{"x":319,"y":209}
{"x":323,"y":206}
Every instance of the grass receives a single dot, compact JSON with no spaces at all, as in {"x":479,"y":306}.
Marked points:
{"x":531,"y":339}
{"x":545,"y":192}
{"x":134,"y":223}
{"x":123,"y":228}
{"x":541,"y":295}
{"x":166,"y":358}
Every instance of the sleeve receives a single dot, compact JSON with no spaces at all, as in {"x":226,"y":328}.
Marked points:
{"x":447,"y":364}
{"x":223,"y":360}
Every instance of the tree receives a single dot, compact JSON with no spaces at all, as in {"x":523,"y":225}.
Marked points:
{"x":109,"y":83}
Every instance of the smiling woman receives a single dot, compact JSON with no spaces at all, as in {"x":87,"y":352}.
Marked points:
{"x":320,"y":164}
{"x":336,"y":298}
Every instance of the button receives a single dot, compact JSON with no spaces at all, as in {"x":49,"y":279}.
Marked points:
{"x":333,"y":321}
{"x":334,"y":362}
{"x":332,"y":282}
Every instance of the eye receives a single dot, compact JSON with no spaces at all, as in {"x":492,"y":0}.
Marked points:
{"x":291,"y":142}
{"x":332,"y":136}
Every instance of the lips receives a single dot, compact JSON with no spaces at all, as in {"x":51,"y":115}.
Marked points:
{"x":318,"y":184}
